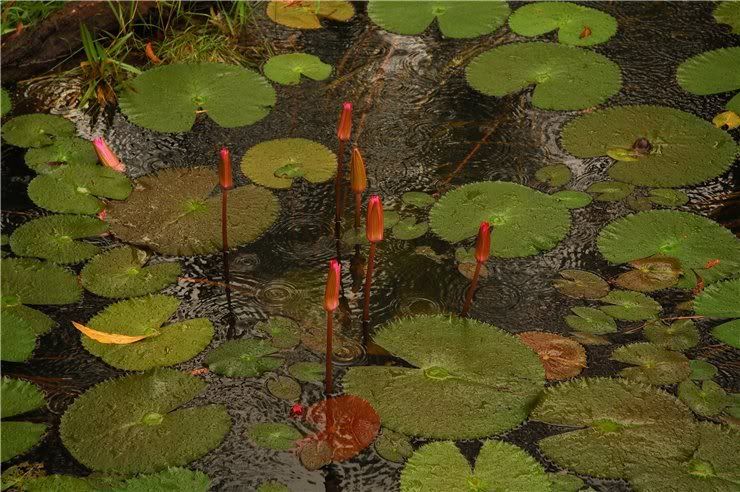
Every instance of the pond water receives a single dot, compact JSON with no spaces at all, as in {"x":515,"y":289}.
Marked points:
{"x":421,"y":128}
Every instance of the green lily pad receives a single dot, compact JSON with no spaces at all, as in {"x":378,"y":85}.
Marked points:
{"x":610,"y":191}
{"x":390,"y":218}
{"x":243,"y":358}
{"x":555,"y":175}
{"x":712,"y":72}
{"x":39,"y":322}
{"x":67,"y":483}
{"x":307,"y":15}
{"x":281,"y":437}
{"x":417,"y":199}
{"x":651,"y":274}
{"x":591,"y":321}
{"x":706,"y":400}
{"x":5,"y":103}
{"x":685,"y":149}
{"x":653,"y":364}
{"x":171,"y":479}
{"x":70,"y":151}
{"x":728,"y":13}
{"x":576,"y":25}
{"x":572,"y":199}
{"x":407,"y":229}
{"x":565,"y":482}
{"x":173,"y":343}
{"x":36,"y":130}
{"x":284,"y":388}
{"x":284,"y":332}
{"x":19,"y":397}
{"x":691,"y":239}
{"x":680,"y":336}
{"x":276,"y":163}
{"x":621,"y":424}
{"x":19,"y":437}
{"x":456,"y":19}
{"x":639,"y":203}
{"x":173,"y":213}
{"x":120,"y":272}
{"x":30,"y":281}
{"x":469,"y":379}
{"x":272,"y":486}
{"x":524,"y":221}
{"x":580,"y":284}
{"x":167,"y":98}
{"x":287,"y":69}
{"x":18,"y":338}
{"x":668,"y":197}
{"x":53,"y":238}
{"x":720,"y":300}
{"x":728,"y":333}
{"x":733,"y":406}
{"x":565,"y":77}
{"x":135,"y":424}
{"x":309,"y":372}
{"x":702,"y":370}
{"x":441,"y":467}
{"x":393,"y":446}
{"x":630,"y":306}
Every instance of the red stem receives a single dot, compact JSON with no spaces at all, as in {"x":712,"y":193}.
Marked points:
{"x":358,"y":209}
{"x":224,"y":235}
{"x":329,"y":352}
{"x":471,"y":290}
{"x":368,"y":281}
{"x":338,"y":181}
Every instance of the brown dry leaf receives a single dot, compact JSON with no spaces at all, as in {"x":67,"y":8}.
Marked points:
{"x":468,"y":269}
{"x":562,"y":357}
{"x":110,"y":338}
{"x":585,"y":33}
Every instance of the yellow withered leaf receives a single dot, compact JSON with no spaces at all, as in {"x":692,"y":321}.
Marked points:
{"x":111,"y":338}
{"x":730,"y":119}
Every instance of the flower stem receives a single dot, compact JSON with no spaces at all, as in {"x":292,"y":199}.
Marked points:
{"x":358,"y":209}
{"x":329,"y":352}
{"x":368,"y":281}
{"x":338,"y":181}
{"x":225,"y":250}
{"x":471,"y":290}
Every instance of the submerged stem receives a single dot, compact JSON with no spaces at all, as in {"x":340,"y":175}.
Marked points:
{"x":471,"y":290}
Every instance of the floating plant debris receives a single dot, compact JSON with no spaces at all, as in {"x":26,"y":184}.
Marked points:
{"x":407,"y":229}
{"x":686,"y":149}
{"x":393,"y":446}
{"x":287,"y":69}
{"x":5,"y":103}
{"x":70,"y":151}
{"x":591,"y":321}
{"x":134,"y":424}
{"x":280,"y":437}
{"x":173,"y":213}
{"x":307,"y":14}
{"x":18,"y":338}
{"x":168,"y":98}
{"x":19,"y":397}
{"x":624,"y":424}
{"x":120,"y":272}
{"x":561,"y":357}
{"x":470,"y":379}
{"x":555,"y":175}
{"x":284,"y":388}
{"x":565,"y":77}
{"x":31,"y":281}
{"x":53,"y":238}
{"x":309,"y":372}
{"x":276,"y":163}
{"x":728,"y":13}
{"x":284,"y":333}
{"x":652,"y":364}
{"x":36,"y":130}
{"x":651,"y":274}
{"x":576,"y":25}
{"x":572,"y":199}
{"x":630,"y":306}
{"x":243,"y":358}
{"x":525,"y":221}
{"x":580,"y":284}
{"x":441,"y":467}
{"x":610,"y":191}
{"x":680,"y":335}
{"x":712,"y":72}
{"x":707,"y":399}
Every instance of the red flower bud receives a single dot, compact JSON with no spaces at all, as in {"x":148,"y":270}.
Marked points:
{"x":224,"y":170}
{"x":374,"y":225}
{"x":344,"y":130}
{"x":358,"y":175}
{"x":331,"y":293}
{"x":296,"y":411}
{"x":483,"y":243}
{"x":106,"y":155}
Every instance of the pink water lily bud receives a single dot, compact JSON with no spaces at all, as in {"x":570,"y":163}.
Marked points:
{"x":483,"y":243}
{"x":374,"y":224}
{"x":224,"y":170}
{"x":344,"y":130}
{"x":331,"y":293}
{"x":358,"y":176}
{"x":106,"y":156}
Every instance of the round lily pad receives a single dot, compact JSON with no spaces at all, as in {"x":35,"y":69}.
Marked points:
{"x":284,"y":388}
{"x":53,"y":238}
{"x":134,"y":424}
{"x":18,"y":339}
{"x":417,"y":199}
{"x":167,"y":98}
{"x":407,"y":229}
{"x":702,"y":370}
{"x":310,"y":372}
{"x":651,"y":274}
{"x":287,"y":69}
{"x":680,"y":335}
{"x":18,"y":437}
{"x":30,"y":281}
{"x":5,"y":103}
{"x":19,"y":397}
{"x":243,"y":358}
{"x":284,"y":332}
{"x":621,"y":424}
{"x":712,"y":72}
{"x":591,"y":320}
{"x":572,"y":199}
{"x":441,"y":467}
{"x":171,"y":345}
{"x":468,"y":380}
{"x":610,"y":191}
{"x":393,"y":446}
{"x":173,"y":213}
{"x":276,"y":163}
{"x":71,"y":151}
{"x":720,"y":300}
{"x":668,"y":197}
{"x":39,"y":322}
{"x":692,"y":240}
{"x":576,"y":25}
{"x":706,"y":400}
{"x":456,"y":19}
{"x":524,"y":221}
{"x":308,"y":14}
{"x":36,"y":130}
{"x":684,"y":149}
{"x":580,"y":284}
{"x":630,"y":306}
{"x":281,"y":437}
{"x":728,"y":13}
{"x":555,"y":175}
{"x":565,"y":77}
{"x":120,"y":272}
{"x":561,"y":357}
{"x":652,"y":364}
{"x":728,"y":332}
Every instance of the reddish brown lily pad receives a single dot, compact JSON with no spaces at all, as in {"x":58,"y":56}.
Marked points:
{"x":562,"y":357}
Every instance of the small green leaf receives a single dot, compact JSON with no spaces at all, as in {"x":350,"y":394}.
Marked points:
{"x":652,"y":364}
{"x":702,"y":370}
{"x":243,"y":358}
{"x":310,"y":372}
{"x":54,"y":238}
{"x":407,"y":229}
{"x":591,"y":321}
{"x":284,"y":332}
{"x":630,"y":306}
{"x":565,"y":482}
{"x":575,"y":24}
{"x":572,"y":199}
{"x":281,"y":437}
{"x":610,"y":191}
{"x":287,"y":69}
{"x":393,"y":446}
{"x":680,"y":336}
{"x":36,"y":130}
{"x":580,"y":284}
{"x":284,"y":388}
{"x":555,"y":175}
{"x":276,"y":163}
{"x":417,"y":199}
{"x":708,"y":400}
{"x":651,"y":274}
{"x":728,"y":333}
{"x":668,"y":197}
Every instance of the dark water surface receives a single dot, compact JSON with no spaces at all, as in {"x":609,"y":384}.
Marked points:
{"x":415,"y":120}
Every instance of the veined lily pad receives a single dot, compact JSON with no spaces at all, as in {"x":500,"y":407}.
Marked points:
{"x":622,"y":424}
{"x":590,"y":320}
{"x":173,"y":344}
{"x":172,"y":213}
{"x":19,"y":397}
{"x":682,"y":149}
{"x":418,"y":199}
{"x":280,"y":437}
{"x":18,"y":339}
{"x":310,"y":372}
{"x":720,"y":300}
{"x":71,"y":151}
{"x":524,"y":221}
{"x":728,"y":13}
{"x":610,"y":191}
{"x":120,"y":272}
{"x":728,"y":332}
{"x":651,"y":274}
{"x":456,"y":19}
{"x":555,"y":175}
{"x":630,"y":306}
{"x":561,"y":357}
{"x":576,"y":25}
{"x":580,"y":284}
{"x":565,"y":77}
{"x":712,"y":72}
{"x":243,"y":358}
{"x":702,"y":370}
{"x":5,"y":103}
{"x":572,"y":199}
{"x":53,"y":238}
{"x":668,"y":197}
{"x":134,"y":424}
{"x":284,"y":388}
{"x":276,"y":163}
{"x":284,"y":332}
{"x":287,"y":69}
{"x":706,"y":400}
{"x":565,"y":482}
{"x":681,"y":335}
{"x":393,"y":446}
{"x":407,"y":229}
{"x":36,"y":130}
{"x":307,"y":14}
{"x":441,"y":467}
{"x":692,"y":240}
{"x":167,"y":98}
{"x":31,"y":281}
{"x":39,"y":322}
{"x":470,"y":379}
{"x":653,"y":364}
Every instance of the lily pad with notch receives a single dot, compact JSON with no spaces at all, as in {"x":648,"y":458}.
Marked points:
{"x":19,"y":397}
{"x":31,"y":281}
{"x":652,"y":364}
{"x":580,"y":284}
{"x":276,"y":163}
{"x":680,"y":335}
{"x":575,"y":25}
{"x":277,"y":436}
{"x":712,"y":72}
{"x":610,"y":191}
{"x":572,"y":199}
{"x":284,"y":333}
{"x":667,"y":197}
{"x":590,"y":320}
{"x":36,"y":130}
{"x":555,"y":175}
{"x":243,"y":358}
{"x":418,"y":199}
{"x":651,"y":274}
{"x":287,"y":69}
{"x":561,"y":357}
{"x":630,"y":306}
{"x":706,"y":400}
{"x":72,"y":151}
{"x":54,"y":238}
{"x":407,"y":229}
{"x":309,"y":372}
{"x":307,"y":14}
{"x":702,"y":370}
{"x":728,"y":13}
{"x":284,"y":388}
{"x":393,"y":446}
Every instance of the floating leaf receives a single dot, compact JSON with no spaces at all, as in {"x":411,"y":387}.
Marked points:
{"x":579,"y":284}
{"x":284,"y":388}
{"x":441,"y":467}
{"x":111,"y":338}
{"x":720,"y":300}
{"x":651,"y":274}
{"x":561,"y":357}
{"x":728,"y":333}
{"x":307,"y":14}
{"x":310,"y":372}
{"x":281,"y":437}
{"x":589,"y":339}
{"x":315,"y":454}
{"x":570,"y":21}
{"x":623,"y":423}
{"x":390,"y":218}
{"x":572,"y":199}
{"x":70,"y":151}
{"x":135,"y":424}
{"x":653,"y":364}
{"x":53,"y":238}
{"x":456,"y":19}
{"x":468,"y":270}
{"x":681,"y":335}
{"x":276,"y":162}
{"x":712,"y":72}
{"x":243,"y":358}
{"x":39,"y":322}
{"x":417,"y":199}
{"x":287,"y":69}
{"x":19,"y":437}
{"x":525,"y":221}
{"x":565,"y":482}
{"x":685,"y":149}
{"x":610,"y":191}
{"x":393,"y":446}
{"x":272,"y":486}
{"x":469,"y":378}
{"x":5,"y":103}
{"x":31,"y":281}
{"x":284,"y":332}
{"x":36,"y":130}
{"x":733,"y":408}
{"x":19,"y":397}
{"x":167,"y":98}
{"x":18,"y":338}
{"x":555,"y":175}
{"x":708,"y":400}
{"x":639,"y":203}
{"x":668,"y":197}
{"x":727,"y":119}
{"x":565,"y":77}
{"x":408,"y":229}
{"x":592,"y":321}
{"x":702,"y":370}
{"x":728,"y":13}
{"x":173,"y":213}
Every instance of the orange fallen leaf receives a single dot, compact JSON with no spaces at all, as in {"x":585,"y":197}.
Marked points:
{"x":699,"y":286}
{"x":562,"y":357}
{"x":199,"y":371}
{"x":585,"y":33}
{"x":110,"y":338}
{"x":712,"y":263}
